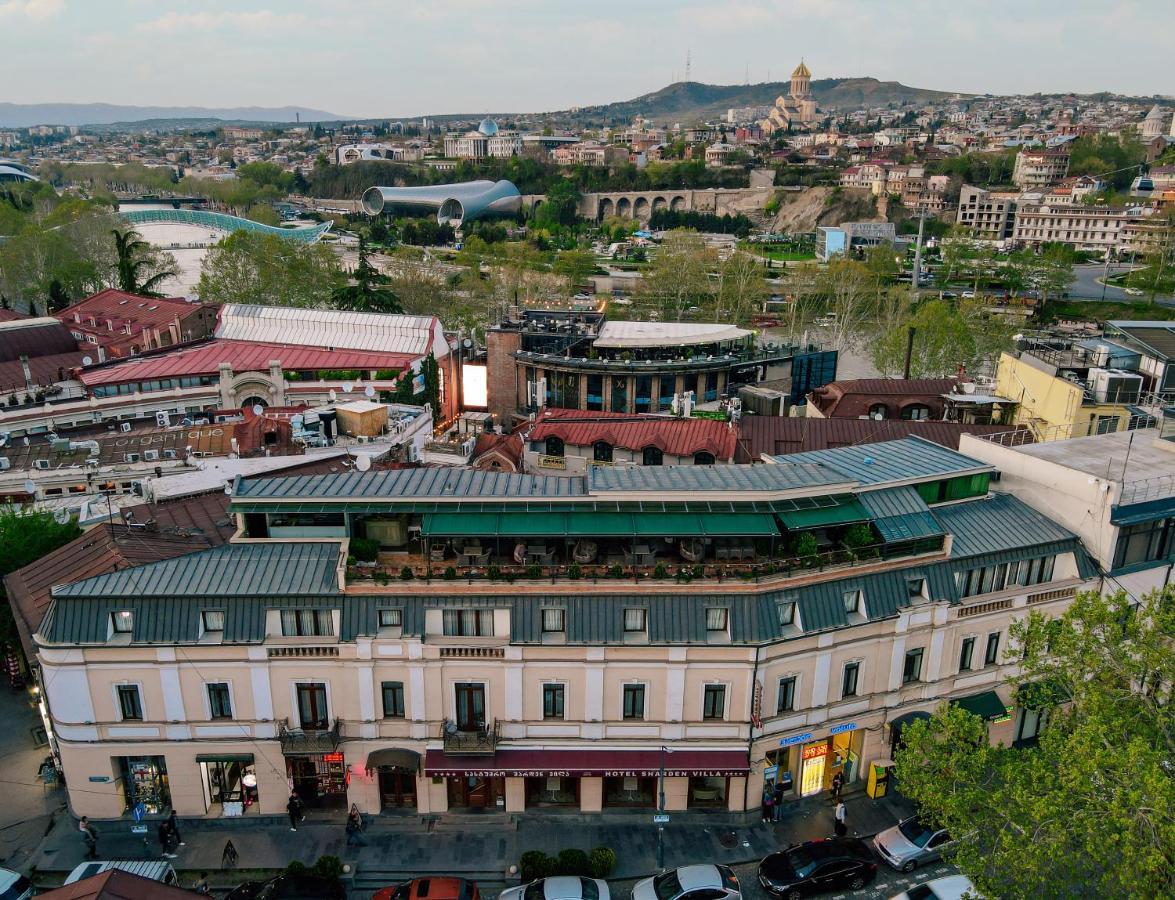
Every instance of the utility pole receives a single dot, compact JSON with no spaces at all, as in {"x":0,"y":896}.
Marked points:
{"x":917,"y":255}
{"x":909,"y":351}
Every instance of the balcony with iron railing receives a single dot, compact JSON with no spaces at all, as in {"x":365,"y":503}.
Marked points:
{"x":298,"y":740}
{"x":677,"y":360}
{"x":462,"y":740}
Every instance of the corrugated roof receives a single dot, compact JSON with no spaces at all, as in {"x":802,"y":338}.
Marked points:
{"x":909,"y":459}
{"x":666,"y":334}
{"x":997,"y":523}
{"x":672,"y":435}
{"x":404,"y":484}
{"x":900,"y":514}
{"x":786,"y":476}
{"x":243,"y":356}
{"x":245,"y":569}
{"x":412,"y":336}
{"x":33,"y":338}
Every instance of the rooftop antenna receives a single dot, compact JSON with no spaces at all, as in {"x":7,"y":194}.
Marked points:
{"x":747,"y":74}
{"x":687,"y":64}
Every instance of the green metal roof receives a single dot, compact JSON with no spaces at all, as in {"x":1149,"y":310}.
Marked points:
{"x":900,"y":514}
{"x":600,"y":524}
{"x":590,"y":524}
{"x":908,"y":459}
{"x":787,"y":476}
{"x":987,"y":705}
{"x":841,"y":514}
{"x":460,"y":524}
{"x":998,"y":523}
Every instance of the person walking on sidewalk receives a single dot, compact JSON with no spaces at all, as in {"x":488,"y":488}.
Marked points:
{"x":228,"y":858}
{"x":768,"y":803}
{"x":355,"y":828}
{"x":164,"y":832}
{"x":174,"y":824}
{"x":777,"y":803}
{"x":294,"y":808}
{"x":840,"y":815}
{"x":838,"y":783}
{"x":89,"y":837}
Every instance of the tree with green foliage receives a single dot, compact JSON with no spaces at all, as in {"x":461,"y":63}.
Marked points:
{"x":431,"y":371}
{"x":1089,"y":809}
{"x":267,"y":269}
{"x":742,"y":290}
{"x":26,"y":536}
{"x":368,"y":291}
{"x":576,"y":266}
{"x":942,"y":342}
{"x":140,"y":270}
{"x":678,"y":278}
{"x":561,"y":206}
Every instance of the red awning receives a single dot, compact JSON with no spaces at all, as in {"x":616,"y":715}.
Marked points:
{"x":574,"y":763}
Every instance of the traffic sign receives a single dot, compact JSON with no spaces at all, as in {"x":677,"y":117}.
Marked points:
{"x":138,"y":829}
{"x":139,"y":811}
{"x":660,"y":819}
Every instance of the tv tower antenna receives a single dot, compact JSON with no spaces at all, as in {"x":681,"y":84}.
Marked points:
{"x":747,"y":74}
{"x":687,"y":64}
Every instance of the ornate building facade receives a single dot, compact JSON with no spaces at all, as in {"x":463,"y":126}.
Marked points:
{"x":798,"y":107}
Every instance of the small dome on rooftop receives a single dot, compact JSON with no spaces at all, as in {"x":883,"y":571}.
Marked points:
{"x":488,"y":127}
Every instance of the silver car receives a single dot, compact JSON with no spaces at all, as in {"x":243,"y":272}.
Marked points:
{"x":911,"y":843}
{"x":560,"y":887}
{"x":698,"y":882}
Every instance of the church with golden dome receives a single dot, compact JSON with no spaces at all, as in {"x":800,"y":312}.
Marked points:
{"x":797,"y":108}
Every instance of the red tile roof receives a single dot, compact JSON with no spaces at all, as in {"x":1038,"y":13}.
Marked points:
{"x":676,"y":437}
{"x":853,"y":398}
{"x":508,"y":446}
{"x":122,"y":308}
{"x":117,"y":885}
{"x":9,"y":315}
{"x":244,"y":356}
{"x":34,"y":337}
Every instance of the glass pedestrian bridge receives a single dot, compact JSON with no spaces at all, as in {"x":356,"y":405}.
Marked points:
{"x":218,"y":221}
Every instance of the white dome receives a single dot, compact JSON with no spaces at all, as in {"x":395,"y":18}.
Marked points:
{"x":488,"y":127}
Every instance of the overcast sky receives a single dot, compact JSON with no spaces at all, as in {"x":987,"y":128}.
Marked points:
{"x":404,"y":57}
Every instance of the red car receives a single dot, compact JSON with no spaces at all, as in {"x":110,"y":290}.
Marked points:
{"x":431,"y":887}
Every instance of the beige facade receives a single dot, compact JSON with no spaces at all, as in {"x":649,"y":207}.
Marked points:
{"x":1039,"y":168}
{"x":1082,"y":227}
{"x":990,"y":214}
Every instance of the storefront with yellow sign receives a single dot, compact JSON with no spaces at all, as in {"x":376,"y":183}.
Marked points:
{"x":806,"y":764}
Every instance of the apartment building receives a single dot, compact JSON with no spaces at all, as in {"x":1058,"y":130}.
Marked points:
{"x":727,"y":626}
{"x":1094,"y":228}
{"x":990,"y":214}
{"x":1039,"y":168}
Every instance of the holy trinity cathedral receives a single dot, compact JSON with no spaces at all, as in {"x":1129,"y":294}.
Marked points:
{"x":797,"y":108}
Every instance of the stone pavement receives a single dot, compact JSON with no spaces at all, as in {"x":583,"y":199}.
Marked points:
{"x":481,"y":846}
{"x":29,"y":805}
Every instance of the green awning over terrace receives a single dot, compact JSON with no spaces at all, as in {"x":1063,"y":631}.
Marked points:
{"x":844,"y":513}
{"x":597,"y":525}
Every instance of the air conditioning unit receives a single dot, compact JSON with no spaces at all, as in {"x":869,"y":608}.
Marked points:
{"x":5,"y":464}
{"x":163,"y":418}
{"x":151,"y":455}
{"x":169,"y":454}
{"x":413,"y":453}
{"x":131,"y":457}
{"x":125,"y":426}
{"x":1115,"y":385}
{"x":41,"y":464}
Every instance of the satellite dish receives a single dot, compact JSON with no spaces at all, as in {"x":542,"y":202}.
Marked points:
{"x":467,"y":343}
{"x":369,"y":391}
{"x":228,"y":490}
{"x":258,"y":409}
{"x":87,"y":361}
{"x":348,"y":387}
{"x":61,"y":515}
{"x":362,"y":463}
{"x":30,"y":486}
{"x":333,"y":395}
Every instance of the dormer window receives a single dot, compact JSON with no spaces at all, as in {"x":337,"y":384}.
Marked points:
{"x":787,"y":613}
{"x":554,"y":446}
{"x":652,"y":456}
{"x":602,"y":451}
{"x":852,"y":602}
{"x":307,"y":623}
{"x":122,"y":622}
{"x":212,"y":621}
{"x":391,"y":618}
{"x":717,"y":620}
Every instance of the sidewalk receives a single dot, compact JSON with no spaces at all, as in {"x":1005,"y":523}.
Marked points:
{"x":479,"y":846}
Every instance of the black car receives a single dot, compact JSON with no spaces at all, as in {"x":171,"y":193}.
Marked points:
{"x":814,"y":867}
{"x":290,"y":887}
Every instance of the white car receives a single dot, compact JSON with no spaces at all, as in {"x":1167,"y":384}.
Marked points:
{"x":560,"y":887}
{"x":14,"y":886}
{"x":702,"y":882}
{"x":953,"y":887}
{"x":968,"y":295}
{"x":1133,"y":292}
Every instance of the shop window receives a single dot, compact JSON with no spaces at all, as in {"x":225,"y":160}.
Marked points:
{"x":714,"y":701}
{"x":212,"y":621}
{"x":553,"y":696}
{"x":634,"y":701}
{"x":992,"y":653}
{"x":219,"y":703}
{"x":644,"y":392}
{"x":848,"y":684}
{"x":602,"y":451}
{"x":393,"y":699}
{"x":966,"y":651}
{"x":130,"y":704}
{"x":704,"y":458}
{"x":619,"y":399}
{"x":912,"y":668}
{"x":635,"y":620}
{"x":468,"y":622}
{"x":390,"y":618}
{"x":122,"y":622}
{"x":707,"y":792}
{"x":652,"y":456}
{"x":554,"y":620}
{"x":553,"y":446}
{"x":307,"y":622}
{"x":786,"y":697}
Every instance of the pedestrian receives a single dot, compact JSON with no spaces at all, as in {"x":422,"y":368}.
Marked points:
{"x":89,"y":837}
{"x":768,"y":804}
{"x":355,"y":828}
{"x":228,"y":858}
{"x":174,"y":824}
{"x":294,"y":808}
{"x":777,"y":802}
{"x":164,"y":832}
{"x":840,"y":815}
{"x":838,"y":783}
{"x":202,"y":886}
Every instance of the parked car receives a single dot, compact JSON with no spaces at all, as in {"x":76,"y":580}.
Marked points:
{"x":440,"y":887}
{"x":912,"y":843}
{"x":290,"y":887}
{"x":1133,"y":292}
{"x":968,"y":295}
{"x":700,"y":882}
{"x":953,"y":887}
{"x":949,"y":295}
{"x":14,"y":886}
{"x":560,"y":887}
{"x":814,"y":867}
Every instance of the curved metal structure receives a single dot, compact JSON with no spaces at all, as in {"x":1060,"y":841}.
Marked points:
{"x":453,"y":203}
{"x":223,"y":222}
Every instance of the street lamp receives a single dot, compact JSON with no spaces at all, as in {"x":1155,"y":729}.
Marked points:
{"x":661,"y":811}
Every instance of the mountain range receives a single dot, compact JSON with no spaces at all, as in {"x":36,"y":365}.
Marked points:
{"x":23,"y":115}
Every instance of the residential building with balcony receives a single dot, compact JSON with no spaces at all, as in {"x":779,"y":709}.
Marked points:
{"x":1094,"y":228}
{"x":1039,"y":168}
{"x":551,"y":641}
{"x":579,"y":360}
{"x":989,"y":214}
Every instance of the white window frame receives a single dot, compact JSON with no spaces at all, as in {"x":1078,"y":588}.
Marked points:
{"x":232,"y":701}
{"x":725,"y":685}
{"x":795,"y":692}
{"x":296,"y":712}
{"x":543,"y":701}
{"x":138,"y":686}
{"x":644,"y":716}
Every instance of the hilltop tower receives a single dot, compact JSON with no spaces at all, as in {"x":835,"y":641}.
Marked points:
{"x":801,"y":82}
{"x":797,"y":108}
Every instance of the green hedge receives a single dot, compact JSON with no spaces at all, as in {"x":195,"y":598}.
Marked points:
{"x":599,"y":863}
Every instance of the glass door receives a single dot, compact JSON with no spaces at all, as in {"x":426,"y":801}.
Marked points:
{"x":312,"y":712}
{"x":471,"y":707}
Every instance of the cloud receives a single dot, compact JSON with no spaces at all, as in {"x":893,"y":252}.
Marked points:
{"x":259,"y":20}
{"x":37,"y":10}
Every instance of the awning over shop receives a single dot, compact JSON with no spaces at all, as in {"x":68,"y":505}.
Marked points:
{"x":395,"y":758}
{"x":224,"y":757}
{"x":987,"y":705}
{"x":823,"y":516}
{"x":595,"y":763}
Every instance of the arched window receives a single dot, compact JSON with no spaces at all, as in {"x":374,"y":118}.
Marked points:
{"x":703,"y":458}
{"x":878,"y":411}
{"x":602,"y":451}
{"x":554,"y":446}
{"x":916,"y":412}
{"x":652,"y":456}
